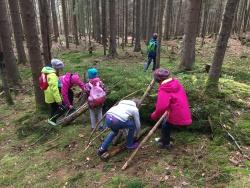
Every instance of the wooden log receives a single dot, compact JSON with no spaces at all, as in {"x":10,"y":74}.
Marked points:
{"x":118,"y":149}
{"x":145,"y":140}
{"x":71,"y":117}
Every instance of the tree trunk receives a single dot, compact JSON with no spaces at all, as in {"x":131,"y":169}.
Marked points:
{"x":5,"y":33}
{"x":168,"y":19}
{"x":246,"y":18}
{"x":98,"y":21}
{"x":190,"y":32}
{"x":45,"y":30}
{"x":138,"y":27}
{"x":65,"y":24}
{"x":161,"y":13}
{"x":18,"y":30}
{"x":75,"y":31}
{"x":32,"y":39}
{"x":206,"y":5}
{"x":3,"y":75}
{"x":226,"y":26}
{"x":54,"y":20}
{"x":133,"y":24}
{"x":177,"y":32}
{"x":150,"y":20}
{"x":104,"y":27}
{"x":112,"y":24}
{"x":126,"y":22}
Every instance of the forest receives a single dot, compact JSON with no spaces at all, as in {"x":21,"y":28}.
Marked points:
{"x":58,"y":56}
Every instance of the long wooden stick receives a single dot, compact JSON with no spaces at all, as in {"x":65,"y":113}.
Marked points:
{"x":146,"y":93}
{"x":145,"y":140}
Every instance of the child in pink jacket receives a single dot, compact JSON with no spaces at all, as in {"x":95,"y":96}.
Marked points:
{"x":172,"y":98}
{"x":67,"y":81}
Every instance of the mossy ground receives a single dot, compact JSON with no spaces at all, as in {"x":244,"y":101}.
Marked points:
{"x":203,"y":155}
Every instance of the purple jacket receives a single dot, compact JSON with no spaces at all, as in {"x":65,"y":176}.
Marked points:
{"x":67,"y":81}
{"x":172,"y":97}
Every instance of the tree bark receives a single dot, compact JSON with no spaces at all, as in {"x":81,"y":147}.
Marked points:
{"x":168,"y":19}
{"x":75,"y":30}
{"x":10,"y":61}
{"x":32,"y":39}
{"x":98,"y":21}
{"x":190,"y":33}
{"x":45,"y":30}
{"x":112,"y":24}
{"x":177,"y":32}
{"x":138,"y":27}
{"x":104,"y":26}
{"x":65,"y":24}
{"x":161,"y":13}
{"x":206,"y":6}
{"x":150,"y":20}
{"x":18,"y":31}
{"x":126,"y":22}
{"x":246,"y":18}
{"x":54,"y":20}
{"x":3,"y":75}
{"x":215,"y":71}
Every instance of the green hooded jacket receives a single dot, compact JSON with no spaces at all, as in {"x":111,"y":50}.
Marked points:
{"x":52,"y":93}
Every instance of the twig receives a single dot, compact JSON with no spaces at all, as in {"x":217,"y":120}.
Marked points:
{"x":234,"y":141}
{"x":97,"y":136}
{"x":144,"y":140}
{"x":41,"y":137}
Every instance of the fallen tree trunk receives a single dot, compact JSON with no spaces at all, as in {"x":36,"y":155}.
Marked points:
{"x":145,"y":140}
{"x":71,"y":117}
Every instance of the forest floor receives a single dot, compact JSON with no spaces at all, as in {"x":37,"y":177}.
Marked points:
{"x":203,"y":154}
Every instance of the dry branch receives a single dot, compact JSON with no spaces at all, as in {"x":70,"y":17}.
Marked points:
{"x":145,"y":140}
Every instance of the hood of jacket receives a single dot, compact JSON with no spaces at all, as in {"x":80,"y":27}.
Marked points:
{"x":48,"y":70}
{"x":127,"y":102}
{"x":171,"y":86}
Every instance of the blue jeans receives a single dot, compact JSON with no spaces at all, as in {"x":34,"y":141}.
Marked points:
{"x":150,"y":58}
{"x":115,"y":125}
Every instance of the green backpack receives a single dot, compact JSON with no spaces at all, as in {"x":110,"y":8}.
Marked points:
{"x":152,"y":46}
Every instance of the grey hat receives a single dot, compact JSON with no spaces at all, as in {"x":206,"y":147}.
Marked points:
{"x":57,"y":64}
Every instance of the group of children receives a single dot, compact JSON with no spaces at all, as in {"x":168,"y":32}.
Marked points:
{"x":125,"y":115}
{"x":59,"y":94}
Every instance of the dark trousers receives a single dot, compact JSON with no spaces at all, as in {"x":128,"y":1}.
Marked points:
{"x":56,"y":111}
{"x":165,"y":133}
{"x":71,"y":96}
{"x":150,"y":59}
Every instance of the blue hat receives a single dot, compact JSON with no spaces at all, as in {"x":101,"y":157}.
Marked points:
{"x":92,"y":73}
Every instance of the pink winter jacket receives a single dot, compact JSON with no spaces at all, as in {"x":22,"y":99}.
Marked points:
{"x":67,"y":81}
{"x":172,"y":97}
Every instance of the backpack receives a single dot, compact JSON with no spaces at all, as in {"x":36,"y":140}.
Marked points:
{"x":43,"y":82}
{"x":97,"y":95}
{"x":152,"y":46}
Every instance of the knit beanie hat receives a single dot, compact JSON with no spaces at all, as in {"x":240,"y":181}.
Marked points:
{"x":57,"y":64}
{"x":161,"y":74}
{"x":92,"y":73}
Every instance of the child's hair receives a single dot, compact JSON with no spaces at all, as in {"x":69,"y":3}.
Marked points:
{"x":92,"y":73}
{"x":136,"y":101}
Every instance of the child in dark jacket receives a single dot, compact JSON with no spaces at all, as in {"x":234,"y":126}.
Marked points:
{"x":172,"y":98}
{"x":95,"y":111}
{"x":152,"y":50}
